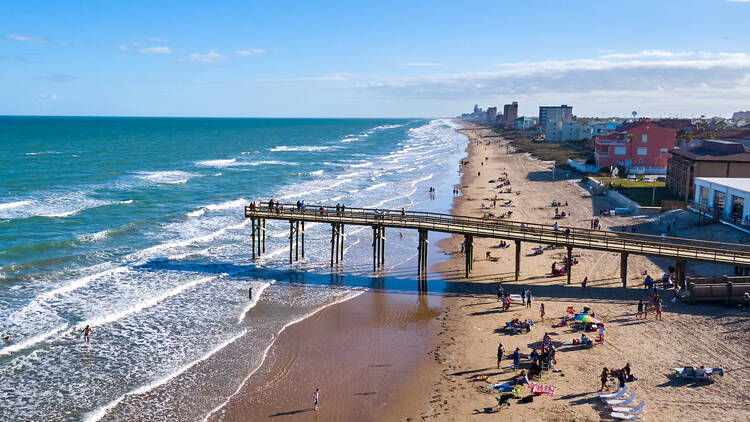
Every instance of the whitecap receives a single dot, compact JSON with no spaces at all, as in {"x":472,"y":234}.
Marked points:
{"x":16,"y":204}
{"x":302,"y":148}
{"x":167,"y":177}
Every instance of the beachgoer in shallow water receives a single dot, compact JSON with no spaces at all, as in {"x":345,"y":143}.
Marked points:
{"x":87,"y":333}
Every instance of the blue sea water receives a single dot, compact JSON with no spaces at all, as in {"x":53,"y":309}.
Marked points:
{"x":135,"y":227}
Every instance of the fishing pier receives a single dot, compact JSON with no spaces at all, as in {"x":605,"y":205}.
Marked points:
{"x":678,"y":249}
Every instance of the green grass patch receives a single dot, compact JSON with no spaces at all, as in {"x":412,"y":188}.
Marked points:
{"x":640,"y":191}
{"x":559,"y":152}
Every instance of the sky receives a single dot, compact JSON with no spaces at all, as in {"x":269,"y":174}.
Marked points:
{"x":382,"y":58}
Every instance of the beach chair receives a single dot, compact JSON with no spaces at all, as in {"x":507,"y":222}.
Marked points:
{"x":627,"y":416}
{"x":713,"y":371}
{"x":619,"y":394}
{"x":621,"y":402}
{"x":571,"y":312}
{"x":636,"y":409}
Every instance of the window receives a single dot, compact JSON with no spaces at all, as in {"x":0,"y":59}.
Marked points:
{"x":640,"y":160}
{"x":644,"y":138}
{"x":619,"y":150}
{"x":642,"y":151}
{"x":663,"y":151}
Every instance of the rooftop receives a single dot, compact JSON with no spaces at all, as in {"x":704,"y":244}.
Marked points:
{"x":739,"y":183}
{"x":715,"y":150}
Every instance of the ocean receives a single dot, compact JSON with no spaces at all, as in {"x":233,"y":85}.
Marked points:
{"x":135,"y":226}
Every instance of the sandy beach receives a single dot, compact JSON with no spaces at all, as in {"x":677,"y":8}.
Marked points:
{"x":400,"y":356}
{"x":710,"y":335}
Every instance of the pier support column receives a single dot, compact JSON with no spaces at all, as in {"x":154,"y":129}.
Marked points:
{"x":419,"y":254}
{"x":680,"y":269}
{"x":424,"y":253}
{"x":264,"y":235}
{"x":518,"y":259}
{"x":570,"y":262}
{"x":338,"y":241}
{"x":374,"y":248}
{"x":624,"y":269}
{"x":291,"y":239}
{"x":333,"y":241}
{"x":341,"y":233}
{"x":303,"y":239}
{"x":296,"y":241}
{"x":382,"y":246}
{"x":252,"y":236}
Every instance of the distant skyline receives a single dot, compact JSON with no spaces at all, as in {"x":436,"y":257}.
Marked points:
{"x":366,"y":59}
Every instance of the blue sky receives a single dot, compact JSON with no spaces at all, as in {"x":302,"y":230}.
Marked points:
{"x":373,"y":59}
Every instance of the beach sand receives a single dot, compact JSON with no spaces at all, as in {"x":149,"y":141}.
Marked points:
{"x":709,"y":335}
{"x":401,"y":356}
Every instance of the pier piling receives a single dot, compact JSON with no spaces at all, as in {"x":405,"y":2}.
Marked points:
{"x":252,"y":236}
{"x":570,"y":262}
{"x":518,"y":259}
{"x":624,"y":269}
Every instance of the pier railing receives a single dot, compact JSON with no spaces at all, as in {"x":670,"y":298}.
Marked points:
{"x":606,"y":240}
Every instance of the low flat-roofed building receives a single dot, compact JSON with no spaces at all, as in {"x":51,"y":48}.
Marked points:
{"x":713,"y":158}
{"x":726,"y":197}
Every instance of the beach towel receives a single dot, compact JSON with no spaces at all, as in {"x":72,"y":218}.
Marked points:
{"x":502,"y":387}
{"x":540,"y":389}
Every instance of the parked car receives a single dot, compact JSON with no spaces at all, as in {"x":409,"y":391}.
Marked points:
{"x":647,"y":179}
{"x":631,"y":177}
{"x":661,"y":179}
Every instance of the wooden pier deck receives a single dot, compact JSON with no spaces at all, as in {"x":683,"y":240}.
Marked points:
{"x":679,"y":249}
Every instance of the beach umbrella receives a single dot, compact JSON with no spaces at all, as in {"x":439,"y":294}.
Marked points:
{"x":586,"y":318}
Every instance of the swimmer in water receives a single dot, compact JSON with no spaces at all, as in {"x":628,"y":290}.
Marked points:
{"x":87,"y":333}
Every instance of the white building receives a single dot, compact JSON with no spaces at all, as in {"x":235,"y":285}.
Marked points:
{"x":566,"y":131}
{"x":728,"y":196}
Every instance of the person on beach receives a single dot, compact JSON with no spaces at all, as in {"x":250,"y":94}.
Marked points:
{"x":523,"y":297}
{"x":604,"y":376}
{"x":528,"y":299}
{"x":584,"y":283}
{"x":621,"y":379}
{"x":516,"y":359}
{"x":500,"y":291}
{"x":250,"y":293}
{"x":541,"y":311}
{"x":640,"y":309}
{"x":316,"y":396}
{"x":500,"y":352}
{"x":601,"y":332}
{"x":658,"y":306}
{"x":87,"y":333}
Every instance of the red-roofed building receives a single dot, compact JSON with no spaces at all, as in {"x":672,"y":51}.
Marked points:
{"x":642,"y":147}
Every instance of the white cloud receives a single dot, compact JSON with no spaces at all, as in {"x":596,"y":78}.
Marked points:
{"x":45,"y":97}
{"x":124,"y":47}
{"x":422,"y":64}
{"x":249,"y":52}
{"x":154,"y":50}
{"x":24,"y":38}
{"x":738,"y":1}
{"x":647,"y":54}
{"x":663,"y":81}
{"x":210,"y":57}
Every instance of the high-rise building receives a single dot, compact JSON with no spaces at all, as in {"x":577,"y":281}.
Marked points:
{"x":554,"y":114}
{"x":491,"y":114}
{"x":510,"y":111}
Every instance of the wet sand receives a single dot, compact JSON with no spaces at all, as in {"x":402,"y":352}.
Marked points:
{"x":359,"y":353}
